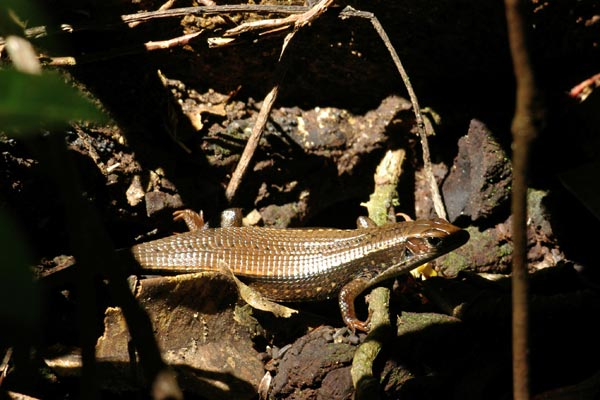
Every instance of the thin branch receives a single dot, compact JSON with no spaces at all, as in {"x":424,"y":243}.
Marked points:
{"x":585,"y":88}
{"x":438,"y":204}
{"x":261,"y":120}
{"x":528,"y":112}
{"x":5,"y":364}
{"x":207,"y":10}
{"x":292,"y":21}
{"x":435,"y":194}
{"x":259,"y":125}
{"x":164,"y":6}
{"x":385,"y":194}
{"x":38,"y":32}
{"x":363,"y":379}
{"x":252,"y":144}
{"x":120,"y":52}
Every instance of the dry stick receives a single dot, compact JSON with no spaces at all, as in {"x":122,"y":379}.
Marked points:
{"x":297,"y":21}
{"x":585,"y":88}
{"x":365,"y":383}
{"x":38,"y":32}
{"x":438,"y":204}
{"x":5,"y":364}
{"x":437,"y":199}
{"x":165,"y":6}
{"x":385,"y":193}
{"x":121,"y":52}
{"x":265,"y":110}
{"x":380,"y":202}
{"x":527,"y":114}
{"x":232,"y":8}
{"x":257,"y":129}
{"x":362,"y":375}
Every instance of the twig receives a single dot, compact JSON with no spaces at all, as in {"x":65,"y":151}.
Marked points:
{"x":164,"y":6}
{"x":281,"y":69}
{"x":202,"y":10}
{"x":5,"y":364}
{"x":261,"y":120}
{"x":148,"y":46}
{"x":293,"y":21}
{"x":435,"y":194}
{"x":365,"y":384}
{"x":585,"y":88}
{"x":379,"y":205}
{"x":438,"y":204}
{"x":257,"y":129}
{"x":386,"y":178}
{"x":38,"y":32}
{"x":527,"y":114}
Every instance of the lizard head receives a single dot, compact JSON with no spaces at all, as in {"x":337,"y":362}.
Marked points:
{"x":435,"y":236}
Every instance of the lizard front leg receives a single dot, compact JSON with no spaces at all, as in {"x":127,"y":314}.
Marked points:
{"x":346,"y":298}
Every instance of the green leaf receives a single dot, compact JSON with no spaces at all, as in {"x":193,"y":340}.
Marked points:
{"x":19,"y":300}
{"x":30,"y":102}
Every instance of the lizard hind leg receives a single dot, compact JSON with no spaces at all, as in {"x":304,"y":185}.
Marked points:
{"x":192,"y":219}
{"x":195,"y":221}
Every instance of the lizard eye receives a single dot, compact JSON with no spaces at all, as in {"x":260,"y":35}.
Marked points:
{"x":408,"y":253}
{"x":434,"y":241}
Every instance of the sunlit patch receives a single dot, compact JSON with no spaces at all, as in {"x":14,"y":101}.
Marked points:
{"x":424,"y":271}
